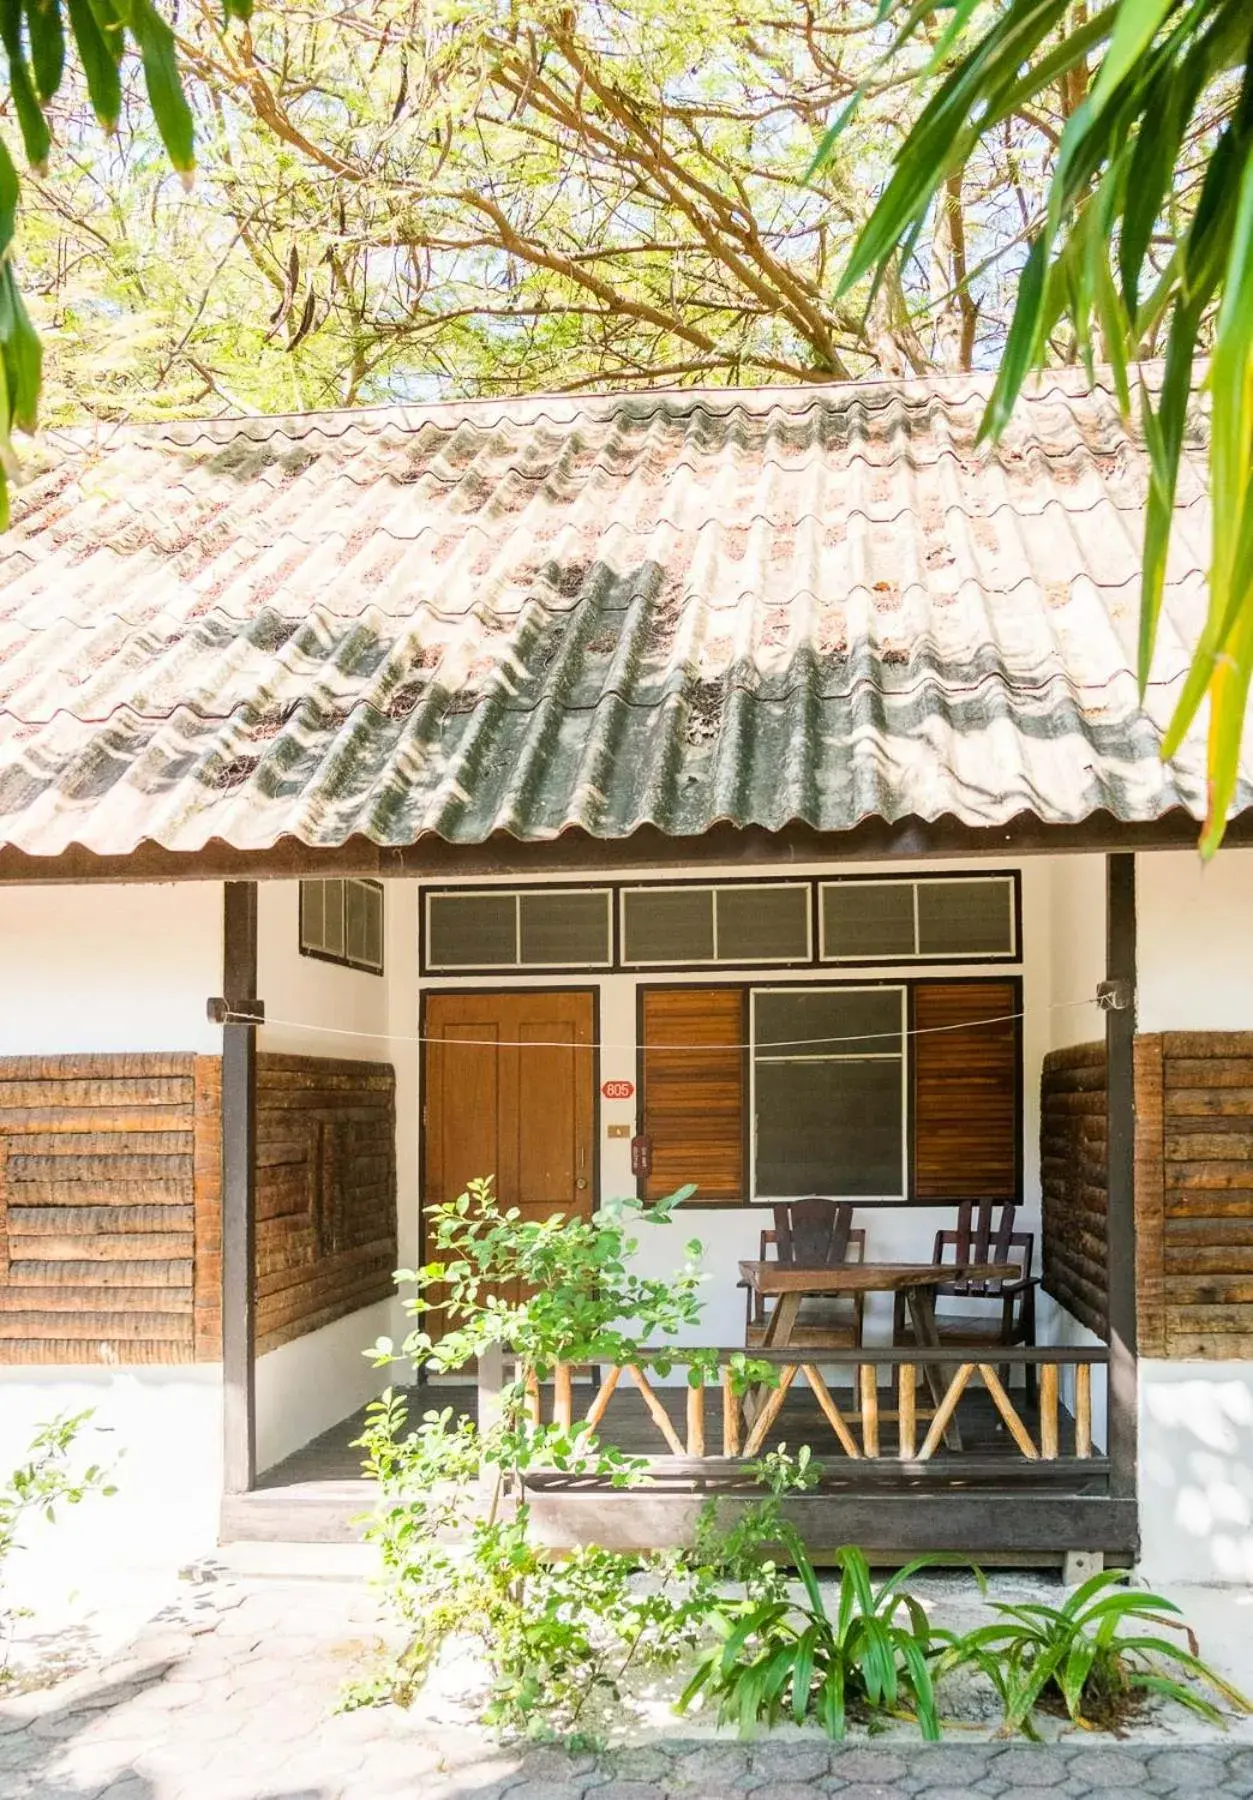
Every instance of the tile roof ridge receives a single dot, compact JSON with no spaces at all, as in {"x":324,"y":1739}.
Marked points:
{"x":518,"y":408}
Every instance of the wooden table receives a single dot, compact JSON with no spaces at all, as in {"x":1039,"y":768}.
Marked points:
{"x":789,"y":1284}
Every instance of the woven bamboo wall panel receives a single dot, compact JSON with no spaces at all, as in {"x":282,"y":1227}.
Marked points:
{"x":1072,"y":1177}
{"x":110,"y":1203}
{"x":98,"y":1207}
{"x":1194,"y":1222}
{"x":326,"y":1191}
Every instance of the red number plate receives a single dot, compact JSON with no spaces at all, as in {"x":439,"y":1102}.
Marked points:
{"x":618,"y":1090}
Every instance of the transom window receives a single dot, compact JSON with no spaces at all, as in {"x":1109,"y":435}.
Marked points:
{"x":342,"y":921}
{"x":549,"y":928}
{"x":932,"y":920}
{"x":829,"y":1092}
{"x":654,"y":925}
{"x":754,"y":923}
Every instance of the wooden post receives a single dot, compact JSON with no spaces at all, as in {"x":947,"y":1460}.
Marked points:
{"x":696,"y":1419}
{"x":1120,"y":1029}
{"x":1049,"y":1398}
{"x":239,"y":1191}
{"x":490,"y":1378}
{"x":563,"y":1396}
{"x":730,"y":1415}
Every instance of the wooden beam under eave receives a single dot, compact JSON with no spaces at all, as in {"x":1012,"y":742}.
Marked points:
{"x":239,"y":1194}
{"x":1120,"y":1032}
{"x":578,"y":852}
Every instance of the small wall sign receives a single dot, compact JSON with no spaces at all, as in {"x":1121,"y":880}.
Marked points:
{"x":617,"y":1090}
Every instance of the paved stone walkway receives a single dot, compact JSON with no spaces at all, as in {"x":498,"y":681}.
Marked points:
{"x":231,"y":1697}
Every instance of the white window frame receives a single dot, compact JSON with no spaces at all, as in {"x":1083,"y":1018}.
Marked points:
{"x":862,"y":959}
{"x":517,"y":895}
{"x":714,"y":888}
{"x":901,"y":1054}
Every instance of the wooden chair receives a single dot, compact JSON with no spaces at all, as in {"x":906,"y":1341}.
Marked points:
{"x":812,"y":1234}
{"x":985,"y":1233}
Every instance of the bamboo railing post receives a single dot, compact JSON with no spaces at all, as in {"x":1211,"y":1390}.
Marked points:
{"x":696,"y":1418}
{"x":596,"y":1411}
{"x":1048,"y":1411}
{"x":1009,"y":1412}
{"x":869,"y":1379}
{"x":657,"y":1412}
{"x":563,"y":1396}
{"x":1083,"y":1409}
{"x":944,"y":1412}
{"x":907,"y":1403}
{"x":730,"y":1415}
{"x":771,"y":1409}
{"x":834,"y":1417}
{"x":490,"y":1380}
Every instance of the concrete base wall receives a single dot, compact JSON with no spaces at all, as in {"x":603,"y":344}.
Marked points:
{"x":1196,"y":1471}
{"x":305,"y":1387}
{"x":159,"y":1430}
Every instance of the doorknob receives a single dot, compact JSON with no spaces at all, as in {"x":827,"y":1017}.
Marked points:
{"x":581,"y":1181}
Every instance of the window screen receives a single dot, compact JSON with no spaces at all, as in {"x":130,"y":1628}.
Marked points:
{"x":333,"y":918}
{"x":312,"y":914}
{"x":828,"y":1092}
{"x":752,"y":922}
{"x":536,"y":928}
{"x":862,"y":919}
{"x":342,"y":921}
{"x":564,"y":929}
{"x":668,"y":925}
{"x":763,"y":923}
{"x":965,"y":918}
{"x":865,"y":921}
{"x":471,"y":931}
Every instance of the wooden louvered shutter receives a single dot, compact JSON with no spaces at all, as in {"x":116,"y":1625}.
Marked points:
{"x":693,"y":1098}
{"x":966,"y":1129}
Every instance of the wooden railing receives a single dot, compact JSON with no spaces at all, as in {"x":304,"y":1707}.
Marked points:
{"x":906,"y":1425}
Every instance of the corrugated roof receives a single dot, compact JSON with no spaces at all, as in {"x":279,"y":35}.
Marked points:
{"x":806,"y":604}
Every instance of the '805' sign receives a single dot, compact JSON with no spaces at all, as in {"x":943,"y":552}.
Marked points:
{"x":617,"y":1090}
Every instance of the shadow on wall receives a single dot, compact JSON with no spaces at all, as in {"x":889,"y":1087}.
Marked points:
{"x":1196,"y":1470}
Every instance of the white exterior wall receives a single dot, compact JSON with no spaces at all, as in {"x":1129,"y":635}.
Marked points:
{"x":1075,"y":935}
{"x":1195,"y":973}
{"x":112,"y":969}
{"x":318,"y":1008}
{"x":109,"y":968}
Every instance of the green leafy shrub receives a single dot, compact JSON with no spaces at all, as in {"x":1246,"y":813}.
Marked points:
{"x":45,"y":1481}
{"x":453,"y":1526}
{"x":776,"y":1654}
{"x":584,"y":1302}
{"x":1075,"y":1659}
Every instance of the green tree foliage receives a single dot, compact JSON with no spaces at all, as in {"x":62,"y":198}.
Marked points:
{"x":1142,"y":245}
{"x":475,"y":199}
{"x":41,"y":39}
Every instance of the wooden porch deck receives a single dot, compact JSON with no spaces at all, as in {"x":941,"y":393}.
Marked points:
{"x":318,"y":1494}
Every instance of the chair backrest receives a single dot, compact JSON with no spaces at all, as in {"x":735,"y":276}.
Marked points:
{"x":984,"y":1234}
{"x":814,"y":1233}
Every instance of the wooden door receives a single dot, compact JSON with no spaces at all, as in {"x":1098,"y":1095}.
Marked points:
{"x":510,"y":1093}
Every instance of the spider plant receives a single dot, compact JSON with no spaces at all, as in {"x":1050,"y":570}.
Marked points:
{"x":775,"y":1656}
{"x":1076,"y":1657}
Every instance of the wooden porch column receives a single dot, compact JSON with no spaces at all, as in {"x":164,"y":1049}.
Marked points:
{"x":1118,"y":996}
{"x":239,"y":1188}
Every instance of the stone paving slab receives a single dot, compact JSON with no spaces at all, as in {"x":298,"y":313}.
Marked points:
{"x":232,"y":1696}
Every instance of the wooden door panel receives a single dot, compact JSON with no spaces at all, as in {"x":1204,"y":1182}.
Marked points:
{"x":510,"y":1092}
{"x":462,"y":1111}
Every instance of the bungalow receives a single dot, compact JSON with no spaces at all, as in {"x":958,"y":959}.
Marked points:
{"x":744,"y":788}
